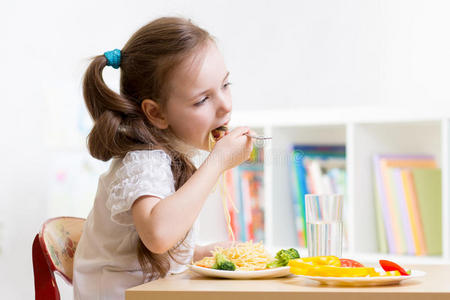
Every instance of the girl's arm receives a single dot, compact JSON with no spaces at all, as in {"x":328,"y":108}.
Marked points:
{"x":161,"y":223}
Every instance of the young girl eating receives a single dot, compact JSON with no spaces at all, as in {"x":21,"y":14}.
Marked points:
{"x":174,"y":97}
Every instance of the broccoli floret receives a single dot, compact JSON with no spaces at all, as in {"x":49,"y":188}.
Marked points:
{"x":282,"y":258}
{"x":293,"y":253}
{"x":222,"y":263}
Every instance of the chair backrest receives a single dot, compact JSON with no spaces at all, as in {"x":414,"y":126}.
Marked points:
{"x":53,"y":250}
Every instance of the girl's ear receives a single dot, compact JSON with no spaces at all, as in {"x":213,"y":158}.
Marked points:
{"x":154,"y":113}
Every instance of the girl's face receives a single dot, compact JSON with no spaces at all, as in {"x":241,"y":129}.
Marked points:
{"x":200,"y":98}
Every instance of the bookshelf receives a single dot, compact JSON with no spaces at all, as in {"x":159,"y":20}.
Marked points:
{"x":364,"y":132}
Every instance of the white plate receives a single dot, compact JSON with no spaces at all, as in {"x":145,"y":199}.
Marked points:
{"x":269,"y":273}
{"x":365,"y":281}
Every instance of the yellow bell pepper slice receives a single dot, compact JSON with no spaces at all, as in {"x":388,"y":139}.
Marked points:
{"x":323,"y":260}
{"x":327,"y":266}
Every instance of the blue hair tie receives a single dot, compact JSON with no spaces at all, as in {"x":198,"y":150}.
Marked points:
{"x":113,"y":58}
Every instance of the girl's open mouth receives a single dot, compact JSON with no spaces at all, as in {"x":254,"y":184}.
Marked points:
{"x":219,"y":132}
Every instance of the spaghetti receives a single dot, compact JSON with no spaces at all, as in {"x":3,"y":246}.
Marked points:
{"x":223,"y":190}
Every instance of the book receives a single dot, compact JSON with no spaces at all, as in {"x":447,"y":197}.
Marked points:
{"x":428,"y":185}
{"x":252,"y":203}
{"x":400,"y":199}
{"x":246,"y":205}
{"x":298,"y":190}
{"x":256,"y":196}
{"x":413,"y":212}
{"x":381,"y":232}
{"x":394,"y":210}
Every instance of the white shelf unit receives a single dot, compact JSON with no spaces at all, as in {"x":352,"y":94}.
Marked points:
{"x":364,"y":133}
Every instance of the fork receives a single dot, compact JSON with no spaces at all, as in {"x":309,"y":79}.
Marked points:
{"x":258,"y":137}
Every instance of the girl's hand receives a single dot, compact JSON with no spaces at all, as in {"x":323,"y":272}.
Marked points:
{"x":232,"y":149}
{"x":202,"y":251}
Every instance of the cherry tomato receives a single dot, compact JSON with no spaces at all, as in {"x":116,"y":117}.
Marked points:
{"x":392,"y":266}
{"x":345,"y":262}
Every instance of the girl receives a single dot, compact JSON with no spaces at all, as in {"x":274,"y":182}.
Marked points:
{"x":174,"y":92}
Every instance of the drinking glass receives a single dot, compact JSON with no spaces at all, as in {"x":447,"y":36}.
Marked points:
{"x":324,"y":224}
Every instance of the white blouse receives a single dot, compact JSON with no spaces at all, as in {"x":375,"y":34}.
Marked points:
{"x":105,"y":263}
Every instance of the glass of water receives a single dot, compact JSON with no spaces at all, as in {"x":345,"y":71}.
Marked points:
{"x":324,"y":224}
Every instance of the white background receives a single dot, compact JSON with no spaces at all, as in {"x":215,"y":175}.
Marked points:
{"x":282,"y":54}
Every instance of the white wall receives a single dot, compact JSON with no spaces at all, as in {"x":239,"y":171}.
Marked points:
{"x":282,"y":54}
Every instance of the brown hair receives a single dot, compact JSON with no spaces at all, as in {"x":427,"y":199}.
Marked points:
{"x":147,"y":61}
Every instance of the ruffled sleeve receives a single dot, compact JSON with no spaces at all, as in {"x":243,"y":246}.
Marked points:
{"x":143,"y":173}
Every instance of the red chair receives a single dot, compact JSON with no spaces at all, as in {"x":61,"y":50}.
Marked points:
{"x":53,"y":250}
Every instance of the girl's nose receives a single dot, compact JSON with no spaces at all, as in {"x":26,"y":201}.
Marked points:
{"x":224,"y":102}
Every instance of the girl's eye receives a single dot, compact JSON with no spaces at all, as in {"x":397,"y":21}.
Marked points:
{"x":201,"y":101}
{"x":227,"y":84}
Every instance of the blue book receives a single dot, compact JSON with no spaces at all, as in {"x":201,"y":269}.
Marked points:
{"x":303,"y":190}
{"x":296,"y":195}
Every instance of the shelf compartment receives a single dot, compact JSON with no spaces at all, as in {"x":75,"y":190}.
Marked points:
{"x":367,"y":140}
{"x":283,"y":230}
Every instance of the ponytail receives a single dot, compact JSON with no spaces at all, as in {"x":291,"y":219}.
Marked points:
{"x":110,"y":112}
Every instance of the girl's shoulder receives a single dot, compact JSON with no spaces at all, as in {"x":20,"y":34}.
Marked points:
{"x":138,"y":163}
